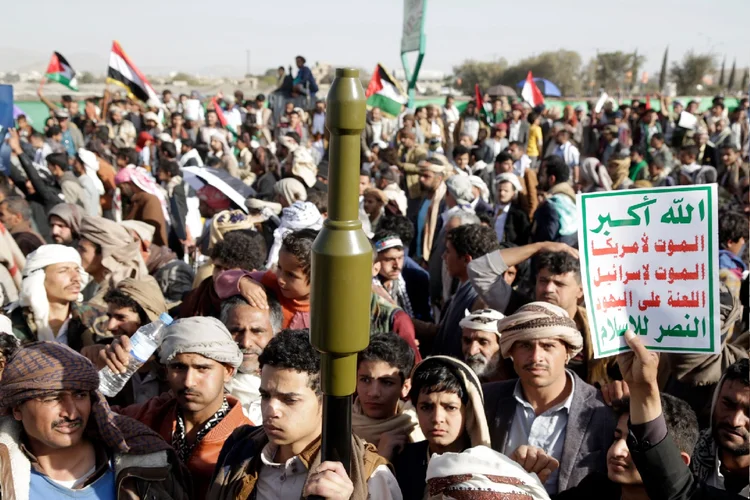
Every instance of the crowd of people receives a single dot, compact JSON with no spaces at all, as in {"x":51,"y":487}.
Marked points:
{"x":479,"y":380}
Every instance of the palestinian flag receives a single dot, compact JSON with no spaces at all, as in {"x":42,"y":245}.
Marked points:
{"x":123,"y":72}
{"x":60,"y":71}
{"x":384,"y":92}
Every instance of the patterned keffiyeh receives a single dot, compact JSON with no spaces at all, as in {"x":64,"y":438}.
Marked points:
{"x":300,"y":215}
{"x":539,"y":320}
{"x":42,"y":369}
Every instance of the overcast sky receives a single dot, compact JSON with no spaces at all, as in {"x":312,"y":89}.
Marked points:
{"x":193,"y":35}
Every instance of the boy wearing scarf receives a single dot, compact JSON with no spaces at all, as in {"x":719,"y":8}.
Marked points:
{"x":379,"y":415}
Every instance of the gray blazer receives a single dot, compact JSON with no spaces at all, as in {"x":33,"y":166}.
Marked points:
{"x":589,"y":433}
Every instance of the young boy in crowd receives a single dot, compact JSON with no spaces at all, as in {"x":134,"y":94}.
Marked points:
{"x":282,"y":458}
{"x":290,"y":282}
{"x":379,"y":415}
{"x":448,"y":400}
{"x":657,"y":171}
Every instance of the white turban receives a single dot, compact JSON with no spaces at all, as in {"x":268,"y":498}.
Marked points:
{"x":482,"y":470}
{"x":91,"y":163}
{"x":509,"y":177}
{"x":33,"y":292}
{"x":477,"y":182}
{"x":484,"y":320}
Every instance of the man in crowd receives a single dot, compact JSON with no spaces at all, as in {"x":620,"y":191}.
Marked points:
{"x":251,"y":328}
{"x":63,"y":441}
{"x":468,"y":124}
{"x":15,"y":213}
{"x":254,"y":459}
{"x":48,"y":307}
{"x":480,"y":344}
{"x":518,"y":127}
{"x":548,"y":407}
{"x":426,"y":211}
{"x":410,"y":157}
{"x":722,"y":457}
{"x":196,"y":417}
{"x":131,"y":305}
{"x":65,"y":224}
{"x":409,"y":288}
{"x":109,"y":254}
{"x":556,"y":218}
{"x":462,"y":245}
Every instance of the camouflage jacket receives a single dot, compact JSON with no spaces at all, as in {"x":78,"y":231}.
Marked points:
{"x":87,"y":326}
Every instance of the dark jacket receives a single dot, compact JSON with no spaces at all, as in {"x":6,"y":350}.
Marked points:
{"x":264,"y":185}
{"x":523,"y":132}
{"x":588,"y":434}
{"x":517,"y":226}
{"x":46,"y":195}
{"x":546,"y":226}
{"x":411,"y":469}
{"x":596,"y":485}
{"x":485,"y":208}
{"x":418,"y":289}
{"x":666,"y":476}
{"x":178,"y":210}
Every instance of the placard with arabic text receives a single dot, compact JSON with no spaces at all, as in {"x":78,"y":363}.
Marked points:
{"x":649,"y":262}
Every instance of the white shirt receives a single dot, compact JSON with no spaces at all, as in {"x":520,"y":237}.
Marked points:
{"x":545,"y":431}
{"x":287,"y":480}
{"x":319,"y":123}
{"x":568,"y":153}
{"x":520,"y":166}
{"x":450,"y":117}
{"x":246,"y":388}
{"x":377,"y":132}
{"x":514,"y":131}
{"x":471,"y":127}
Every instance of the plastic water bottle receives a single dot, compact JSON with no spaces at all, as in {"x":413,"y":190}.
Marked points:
{"x":143,"y":344}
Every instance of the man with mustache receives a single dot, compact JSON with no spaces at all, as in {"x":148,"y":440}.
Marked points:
{"x":722,"y":455}
{"x":548,"y":407}
{"x":480,"y":344}
{"x":64,"y":223}
{"x":195,"y":417}
{"x":62,"y":440}
{"x":48,"y":307}
{"x":251,"y":328}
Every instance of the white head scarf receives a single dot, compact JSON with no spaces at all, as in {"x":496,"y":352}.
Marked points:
{"x":91,"y":162}
{"x":33,"y":292}
{"x":300,"y":215}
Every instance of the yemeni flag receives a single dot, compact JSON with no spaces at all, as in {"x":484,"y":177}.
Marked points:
{"x":531,"y":92}
{"x":384,"y":92}
{"x":222,"y":119}
{"x":59,"y":70}
{"x":124,"y":73}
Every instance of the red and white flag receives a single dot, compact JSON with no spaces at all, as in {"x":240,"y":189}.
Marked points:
{"x":124,"y":73}
{"x":531,"y":92}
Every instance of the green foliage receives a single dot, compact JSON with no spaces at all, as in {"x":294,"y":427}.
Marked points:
{"x":562,"y":67}
{"x":614,"y":70}
{"x":486,"y":74}
{"x":690,"y":71}
{"x":86,"y":77}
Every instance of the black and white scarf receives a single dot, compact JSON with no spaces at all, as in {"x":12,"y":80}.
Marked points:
{"x":179,"y":436}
